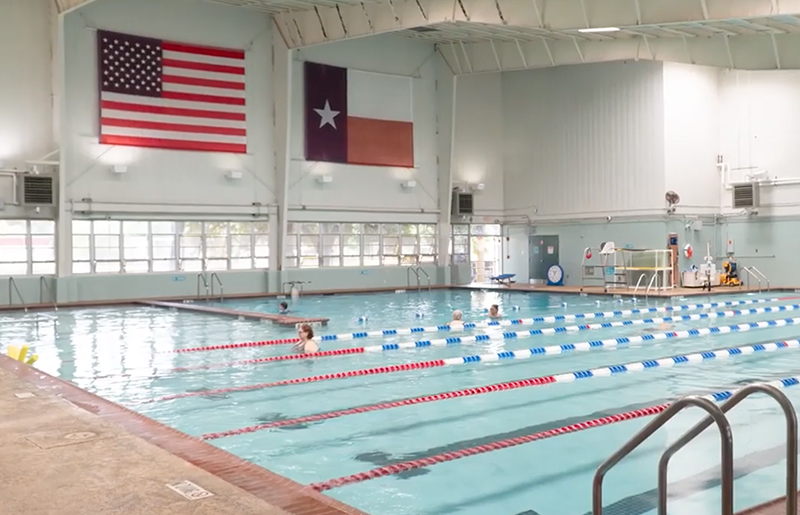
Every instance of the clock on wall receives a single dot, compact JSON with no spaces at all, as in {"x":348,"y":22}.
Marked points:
{"x":555,"y":276}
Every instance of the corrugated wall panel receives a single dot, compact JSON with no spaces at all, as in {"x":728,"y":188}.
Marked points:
{"x":584,"y":140}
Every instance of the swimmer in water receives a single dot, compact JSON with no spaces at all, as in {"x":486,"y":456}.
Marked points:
{"x":457,"y":322}
{"x":284,"y":309}
{"x":494,"y":311}
{"x":661,"y":328}
{"x":306,"y":345}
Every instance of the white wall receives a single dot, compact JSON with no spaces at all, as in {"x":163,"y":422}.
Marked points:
{"x":26,"y":105}
{"x":583,"y":141}
{"x":370,"y":187}
{"x":760,"y":130}
{"x":691,"y":135}
{"x":164,"y":180}
{"x":479,"y":139}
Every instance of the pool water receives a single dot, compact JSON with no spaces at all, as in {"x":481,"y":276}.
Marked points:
{"x":123,"y":355}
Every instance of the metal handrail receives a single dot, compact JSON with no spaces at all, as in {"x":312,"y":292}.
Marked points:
{"x":408,"y":276}
{"x":760,"y":273}
{"x":639,"y":282}
{"x":650,"y":285}
{"x":676,"y":407}
{"x":202,"y":277}
{"x":293,"y":283}
{"x":43,"y":286}
{"x":12,"y":287}
{"x":750,"y":273}
{"x":735,"y":399}
{"x":420,"y":269}
{"x":221,"y":288}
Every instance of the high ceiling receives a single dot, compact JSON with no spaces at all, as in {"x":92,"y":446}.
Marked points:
{"x":489,"y":35}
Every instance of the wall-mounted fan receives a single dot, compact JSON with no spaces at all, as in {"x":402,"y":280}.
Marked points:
{"x":672,"y":199}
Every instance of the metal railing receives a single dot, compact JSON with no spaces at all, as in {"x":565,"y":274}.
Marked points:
{"x":12,"y":288}
{"x":293,"y":284}
{"x":749,"y":272}
{"x":653,"y":280}
{"x":44,"y":287}
{"x":416,"y":271}
{"x":735,"y":399}
{"x":201,"y":279}
{"x":758,"y":273}
{"x":214,"y":277}
{"x":715,"y":414}
{"x":638,"y":283}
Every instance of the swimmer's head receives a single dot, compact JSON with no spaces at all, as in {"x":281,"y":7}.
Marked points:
{"x":458,"y":315}
{"x":284,"y":306}
{"x":305,"y":332}
{"x":494,"y":310}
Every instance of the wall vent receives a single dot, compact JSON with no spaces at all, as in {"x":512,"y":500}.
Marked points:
{"x":462,"y":203}
{"x":745,"y":195}
{"x":37,"y":190}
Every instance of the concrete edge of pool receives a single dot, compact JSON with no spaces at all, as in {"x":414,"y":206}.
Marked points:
{"x":129,"y":460}
{"x":516,"y":287}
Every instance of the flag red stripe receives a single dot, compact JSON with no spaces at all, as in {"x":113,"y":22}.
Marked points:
{"x":205,"y":67}
{"x":380,"y":142}
{"x":202,"y":50}
{"x":175,"y":127}
{"x":208,"y":83}
{"x":172,"y":144}
{"x":173,"y":111}
{"x":194,"y":97}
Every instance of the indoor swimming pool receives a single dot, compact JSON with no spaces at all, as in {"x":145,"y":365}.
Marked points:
{"x":344,"y":421}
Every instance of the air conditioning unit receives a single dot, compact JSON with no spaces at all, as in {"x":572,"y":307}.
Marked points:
{"x":745,"y":195}
{"x":462,"y":203}
{"x":37,"y":190}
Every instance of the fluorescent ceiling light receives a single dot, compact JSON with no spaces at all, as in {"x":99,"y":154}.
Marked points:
{"x":600,"y":29}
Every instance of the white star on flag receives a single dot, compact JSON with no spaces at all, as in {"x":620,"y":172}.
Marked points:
{"x":327,"y":116}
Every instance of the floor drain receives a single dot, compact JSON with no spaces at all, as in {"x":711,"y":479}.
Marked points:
{"x":25,"y":395}
{"x":190,"y":490}
{"x":83,"y":435}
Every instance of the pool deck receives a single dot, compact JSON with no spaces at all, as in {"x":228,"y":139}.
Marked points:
{"x":284,"y":320}
{"x":776,"y":507}
{"x":625,"y":292}
{"x":65,"y":451}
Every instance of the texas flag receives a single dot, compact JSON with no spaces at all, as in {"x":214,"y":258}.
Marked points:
{"x":358,"y":118}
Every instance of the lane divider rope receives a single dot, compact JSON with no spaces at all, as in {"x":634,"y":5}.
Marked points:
{"x":512,"y":355}
{"x":477,"y":338}
{"x":396,"y":468}
{"x":568,"y":377}
{"x":479,"y":325}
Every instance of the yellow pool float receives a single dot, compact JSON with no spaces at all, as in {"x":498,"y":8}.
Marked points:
{"x":20,"y":354}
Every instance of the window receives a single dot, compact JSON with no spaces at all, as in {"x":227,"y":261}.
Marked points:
{"x":134,"y":246}
{"x":478,"y":244}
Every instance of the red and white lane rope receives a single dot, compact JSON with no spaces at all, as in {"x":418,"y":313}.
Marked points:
{"x":241,"y":345}
{"x":512,"y":442}
{"x":568,"y":377}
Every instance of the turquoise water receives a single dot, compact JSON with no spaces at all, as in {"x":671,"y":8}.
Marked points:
{"x":120,"y":354}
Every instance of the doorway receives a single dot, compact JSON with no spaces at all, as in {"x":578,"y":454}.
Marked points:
{"x":542,"y":254}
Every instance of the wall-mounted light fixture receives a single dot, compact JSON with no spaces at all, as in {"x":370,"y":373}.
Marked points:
{"x":119,"y":169}
{"x":409,"y":185}
{"x":478,"y":187}
{"x":233,"y":175}
{"x":324,"y":179}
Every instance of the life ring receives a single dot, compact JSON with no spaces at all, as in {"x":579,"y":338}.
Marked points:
{"x":588,"y":254}
{"x":687,"y":251}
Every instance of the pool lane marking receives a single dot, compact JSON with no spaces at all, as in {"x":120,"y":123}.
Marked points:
{"x":520,"y":354}
{"x":477,"y":338}
{"x":479,"y":325}
{"x":396,"y":468}
{"x":568,"y":377}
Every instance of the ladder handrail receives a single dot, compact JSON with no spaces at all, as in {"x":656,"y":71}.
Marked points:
{"x":408,"y":276}
{"x":201,"y":276}
{"x":750,"y":273}
{"x":214,"y":275}
{"x":638,"y":283}
{"x":420,"y":269}
{"x":43,"y":286}
{"x":734,"y":400}
{"x":650,"y":285}
{"x":12,"y":287}
{"x":760,"y":273}
{"x":714,"y":412}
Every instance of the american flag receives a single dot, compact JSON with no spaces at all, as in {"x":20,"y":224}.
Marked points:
{"x":161,"y":94}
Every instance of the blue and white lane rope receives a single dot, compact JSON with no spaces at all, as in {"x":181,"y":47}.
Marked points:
{"x":568,"y":377}
{"x":460,"y":340}
{"x":542,"y":320}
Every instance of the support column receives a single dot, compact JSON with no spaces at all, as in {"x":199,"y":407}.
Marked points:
{"x":61,"y":129}
{"x":282,"y":65}
{"x":445,"y":100}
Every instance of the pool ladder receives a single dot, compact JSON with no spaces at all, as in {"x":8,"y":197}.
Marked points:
{"x":716,"y":415}
{"x":416,"y":271}
{"x":757,"y":274}
{"x":208,"y":285}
